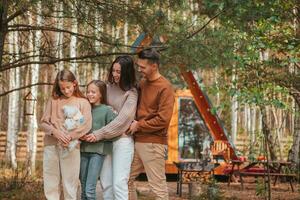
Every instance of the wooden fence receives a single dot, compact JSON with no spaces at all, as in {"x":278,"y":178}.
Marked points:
{"x":22,"y":145}
{"x":242,"y":145}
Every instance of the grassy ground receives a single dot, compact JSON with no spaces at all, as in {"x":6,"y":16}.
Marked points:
{"x":18,"y":185}
{"x":30,"y":191}
{"x":281,"y":191}
{"x":34,"y":191}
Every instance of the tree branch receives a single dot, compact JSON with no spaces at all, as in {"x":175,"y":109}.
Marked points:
{"x":16,"y":14}
{"x":29,"y":86}
{"x":26,"y":27}
{"x":24,"y":87}
{"x":55,"y":60}
{"x":206,"y":24}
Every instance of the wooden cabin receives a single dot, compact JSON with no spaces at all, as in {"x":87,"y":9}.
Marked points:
{"x":187,"y":133}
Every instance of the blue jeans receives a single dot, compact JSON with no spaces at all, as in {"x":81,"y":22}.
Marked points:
{"x":90,"y":167}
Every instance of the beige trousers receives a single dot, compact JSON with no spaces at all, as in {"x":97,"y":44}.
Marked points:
{"x":60,"y":174}
{"x":151,"y":158}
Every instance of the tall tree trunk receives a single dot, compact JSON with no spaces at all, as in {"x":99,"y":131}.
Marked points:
{"x":278,"y":129}
{"x":194,"y":8}
{"x":266,"y":118}
{"x":126,"y":26}
{"x":98,"y":30}
{"x":294,"y":152}
{"x":247,"y":118}
{"x":253,"y":129}
{"x":59,"y":36}
{"x":253,"y":122}
{"x":295,"y":149}
{"x":3,"y":26}
{"x":3,"y":33}
{"x":13,"y":109}
{"x":73,"y":42}
{"x":32,"y":119}
{"x":218,"y":99}
{"x":267,"y":134}
{"x":113,"y":35}
{"x":103,"y":73}
{"x":118,"y":30}
{"x":292,"y":116}
{"x":234,"y":112}
{"x":259,"y":126}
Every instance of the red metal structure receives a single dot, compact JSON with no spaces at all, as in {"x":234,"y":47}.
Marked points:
{"x":212,"y":122}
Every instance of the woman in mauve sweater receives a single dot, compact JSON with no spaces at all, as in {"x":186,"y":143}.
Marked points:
{"x":122,"y":96}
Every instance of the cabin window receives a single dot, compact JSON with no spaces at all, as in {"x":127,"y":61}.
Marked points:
{"x":192,"y":130}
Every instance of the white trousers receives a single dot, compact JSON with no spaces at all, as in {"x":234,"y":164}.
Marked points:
{"x":116,"y":169}
{"x":61,"y":174}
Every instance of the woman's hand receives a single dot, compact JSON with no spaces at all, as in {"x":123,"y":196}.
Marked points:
{"x":63,"y":138}
{"x":83,"y":138}
{"x":90,"y":138}
{"x":133,"y":128}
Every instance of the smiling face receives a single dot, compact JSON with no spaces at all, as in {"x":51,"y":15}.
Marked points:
{"x":116,"y":72}
{"x":146,"y":68}
{"x":93,"y":94}
{"x":67,"y":88}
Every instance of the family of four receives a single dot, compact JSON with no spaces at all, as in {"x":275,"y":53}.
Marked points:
{"x":117,"y":132}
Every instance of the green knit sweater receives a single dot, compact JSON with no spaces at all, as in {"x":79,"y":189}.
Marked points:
{"x":102,"y":115}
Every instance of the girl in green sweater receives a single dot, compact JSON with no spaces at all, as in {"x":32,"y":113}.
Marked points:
{"x":93,"y":154}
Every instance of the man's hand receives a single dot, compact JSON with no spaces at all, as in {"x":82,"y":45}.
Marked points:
{"x":90,"y":138}
{"x":133,"y":128}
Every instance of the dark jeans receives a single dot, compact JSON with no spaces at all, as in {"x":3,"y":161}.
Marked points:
{"x":90,"y":167}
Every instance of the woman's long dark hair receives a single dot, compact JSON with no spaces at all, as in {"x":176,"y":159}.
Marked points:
{"x":65,"y":75}
{"x":127,"y":79}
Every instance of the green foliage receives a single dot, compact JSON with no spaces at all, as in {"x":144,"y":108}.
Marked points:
{"x":261,"y":188}
{"x":211,"y":191}
{"x":257,"y":27}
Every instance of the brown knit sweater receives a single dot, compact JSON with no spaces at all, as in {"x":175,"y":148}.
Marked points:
{"x":53,"y":118}
{"x":154,"y":111}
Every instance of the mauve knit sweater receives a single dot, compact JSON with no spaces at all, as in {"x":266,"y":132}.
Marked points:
{"x":125,"y":103}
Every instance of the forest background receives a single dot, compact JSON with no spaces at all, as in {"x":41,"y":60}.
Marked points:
{"x":246,"y":53}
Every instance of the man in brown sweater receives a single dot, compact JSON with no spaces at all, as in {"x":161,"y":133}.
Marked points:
{"x":155,"y":108}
